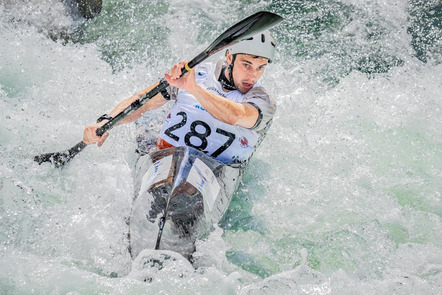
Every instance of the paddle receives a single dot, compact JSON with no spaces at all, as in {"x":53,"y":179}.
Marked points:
{"x":244,"y":29}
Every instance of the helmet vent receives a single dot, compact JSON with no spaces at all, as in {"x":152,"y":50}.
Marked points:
{"x":260,"y":45}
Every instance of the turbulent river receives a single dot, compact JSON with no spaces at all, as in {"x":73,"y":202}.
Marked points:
{"x":342,"y":197}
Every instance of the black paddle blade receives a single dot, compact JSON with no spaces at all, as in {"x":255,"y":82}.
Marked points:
{"x":246,"y":28}
{"x":60,"y":158}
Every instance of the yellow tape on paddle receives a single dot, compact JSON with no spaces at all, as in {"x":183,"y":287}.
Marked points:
{"x":186,"y":66}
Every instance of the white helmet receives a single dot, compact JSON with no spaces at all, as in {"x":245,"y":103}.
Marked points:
{"x":262,"y":44}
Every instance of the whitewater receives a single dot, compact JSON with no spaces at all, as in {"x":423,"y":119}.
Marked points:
{"x":342,"y":197}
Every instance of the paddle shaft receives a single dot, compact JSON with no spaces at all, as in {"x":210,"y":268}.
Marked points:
{"x":132,"y":107}
{"x":146,"y":97}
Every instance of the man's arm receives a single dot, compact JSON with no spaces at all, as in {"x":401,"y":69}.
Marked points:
{"x":221,"y":108}
{"x":89,"y":134}
{"x":154,"y":103}
{"x":226,"y":110}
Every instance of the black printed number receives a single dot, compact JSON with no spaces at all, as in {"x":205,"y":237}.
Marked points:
{"x":176,"y":126}
{"x":201,"y":130}
{"x":194,"y":133}
{"x":225,"y":146}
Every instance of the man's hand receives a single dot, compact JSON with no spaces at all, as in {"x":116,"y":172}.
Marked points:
{"x":90,"y":135}
{"x":186,"y":82}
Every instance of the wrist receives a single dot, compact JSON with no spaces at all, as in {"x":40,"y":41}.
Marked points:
{"x":194,"y":89}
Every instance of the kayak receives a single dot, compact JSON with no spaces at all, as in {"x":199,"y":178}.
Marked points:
{"x":180,"y":193}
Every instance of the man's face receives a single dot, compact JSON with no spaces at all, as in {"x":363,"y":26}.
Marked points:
{"x":247,"y":70}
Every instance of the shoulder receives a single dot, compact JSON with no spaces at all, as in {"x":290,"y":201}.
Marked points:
{"x":204,"y":69}
{"x":210,"y":69}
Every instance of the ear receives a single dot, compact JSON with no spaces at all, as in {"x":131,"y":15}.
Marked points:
{"x":228,"y":57}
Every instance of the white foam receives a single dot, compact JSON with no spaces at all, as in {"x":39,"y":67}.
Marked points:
{"x":343,"y":197}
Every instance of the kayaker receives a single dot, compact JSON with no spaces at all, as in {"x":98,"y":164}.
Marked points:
{"x":220,"y":108}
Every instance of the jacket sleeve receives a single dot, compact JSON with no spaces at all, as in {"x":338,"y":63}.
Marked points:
{"x":261,"y":100}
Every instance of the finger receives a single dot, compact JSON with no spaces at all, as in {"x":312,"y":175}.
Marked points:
{"x":182,"y":66}
{"x":103,"y":139}
{"x":90,"y":135}
{"x":176,"y":73}
{"x":86,"y":137}
{"x":177,"y":69}
{"x":168,"y":78}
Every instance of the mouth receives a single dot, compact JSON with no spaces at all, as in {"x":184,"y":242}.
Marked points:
{"x":247,"y":85}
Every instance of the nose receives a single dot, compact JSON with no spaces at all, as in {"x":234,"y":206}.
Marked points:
{"x":252,"y":73}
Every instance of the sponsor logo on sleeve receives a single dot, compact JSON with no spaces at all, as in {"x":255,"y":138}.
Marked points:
{"x":244,"y":142}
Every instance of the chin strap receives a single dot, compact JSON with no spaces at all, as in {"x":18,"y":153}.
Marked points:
{"x":225,"y":82}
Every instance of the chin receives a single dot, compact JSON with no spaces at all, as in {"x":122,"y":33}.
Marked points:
{"x":242,"y":90}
